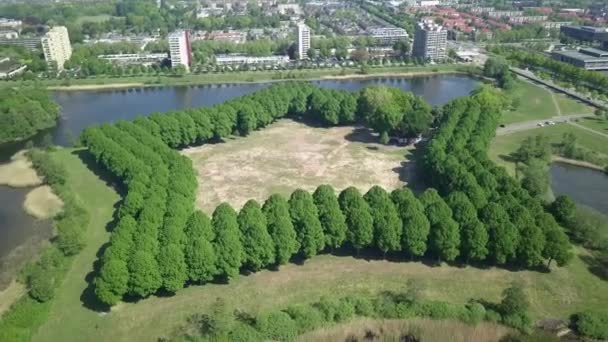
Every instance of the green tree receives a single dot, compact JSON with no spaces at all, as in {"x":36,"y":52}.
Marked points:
{"x":331,"y":217}
{"x":444,"y":237}
{"x":144,"y":274}
{"x":564,"y":210}
{"x":359,"y":221}
{"x":280,"y":228}
{"x":305,"y":219}
{"x":227,"y":243}
{"x":258,"y":246}
{"x":173,"y":267}
{"x":503,"y":234}
{"x":112,"y":282}
{"x":416,"y":226}
{"x":473,"y":234}
{"x":387,"y":223}
{"x":199,"y":252}
{"x":514,"y":300}
{"x":535,"y":177}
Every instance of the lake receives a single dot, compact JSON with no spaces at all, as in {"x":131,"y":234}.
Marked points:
{"x":81,"y":109}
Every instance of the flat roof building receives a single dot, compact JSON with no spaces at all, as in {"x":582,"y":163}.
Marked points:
{"x":388,"y":35}
{"x":56,"y":47}
{"x":587,"y":58}
{"x":430,"y":41}
{"x":585,"y":33}
{"x":179,"y":49}
{"x":238,"y":59}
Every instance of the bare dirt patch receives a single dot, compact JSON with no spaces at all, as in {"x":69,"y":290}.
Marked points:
{"x":19,"y":172}
{"x":396,"y":330}
{"x":290,"y":155}
{"x":42,"y":203}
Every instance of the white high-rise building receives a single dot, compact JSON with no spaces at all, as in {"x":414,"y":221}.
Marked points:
{"x":430,"y":41}
{"x":56,"y":46}
{"x":303,"y":41}
{"x":179,"y":49}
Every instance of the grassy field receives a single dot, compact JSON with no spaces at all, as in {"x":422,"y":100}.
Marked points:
{"x":423,"y":329}
{"x":538,"y":103}
{"x":68,"y":315}
{"x":506,"y":144}
{"x":290,"y":155}
{"x":73,"y":317}
{"x":240,"y":77}
{"x":595,"y":124}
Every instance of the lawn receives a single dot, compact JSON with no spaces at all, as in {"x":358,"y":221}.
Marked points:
{"x":595,"y":124}
{"x":290,"y":155}
{"x":68,"y":317}
{"x":504,"y":145}
{"x":538,"y":103}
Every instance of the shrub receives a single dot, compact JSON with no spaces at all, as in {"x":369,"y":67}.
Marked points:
{"x":306,"y":317}
{"x":521,"y":322}
{"x":492,"y":316}
{"x":593,"y":324}
{"x":327,"y":307}
{"x":277,"y":326}
{"x":476,"y":313}
{"x":363,"y":306}
{"x":245,"y":333}
{"x":344,"y":310}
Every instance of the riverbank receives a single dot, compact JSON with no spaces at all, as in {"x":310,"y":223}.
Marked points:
{"x":575,"y":162}
{"x":105,"y":83}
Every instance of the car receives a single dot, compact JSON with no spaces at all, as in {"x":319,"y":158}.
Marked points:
{"x":540,"y":124}
{"x":502,"y":125}
{"x":551,"y":123}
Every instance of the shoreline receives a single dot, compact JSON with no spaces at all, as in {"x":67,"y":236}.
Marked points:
{"x":199,"y":79}
{"x":575,"y":162}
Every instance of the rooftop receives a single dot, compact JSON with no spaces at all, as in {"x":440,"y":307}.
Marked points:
{"x":581,"y":56}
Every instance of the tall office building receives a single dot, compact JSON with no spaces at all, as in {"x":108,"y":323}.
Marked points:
{"x":56,"y":46}
{"x":430,"y":41}
{"x":303,"y":41}
{"x":179,"y":49}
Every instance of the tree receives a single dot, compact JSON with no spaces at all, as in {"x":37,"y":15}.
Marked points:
{"x":331,"y":217}
{"x":387,"y":224}
{"x":535,"y":177}
{"x":280,"y":228}
{"x":246,"y":120}
{"x":227,"y":243}
{"x":257,"y":244}
{"x":305,"y":219}
{"x":444,"y":236}
{"x":379,"y":108}
{"x":564,"y":210}
{"x":416,"y":226}
{"x":402,"y":47}
{"x":173,"y":267}
{"x":557,"y":246}
{"x":473,"y":234}
{"x":144,"y":274}
{"x":514,"y":300}
{"x":200,"y":255}
{"x":359,"y":221}
{"x":112,"y":282}
{"x":503,"y":234}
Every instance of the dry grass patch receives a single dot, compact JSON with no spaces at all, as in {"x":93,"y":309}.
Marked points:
{"x":288,"y":155}
{"x":42,"y":203}
{"x":19,"y":172}
{"x":10,"y":295}
{"x":395,"y":329}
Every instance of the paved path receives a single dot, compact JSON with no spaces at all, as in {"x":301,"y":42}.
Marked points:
{"x":526,"y":125}
{"x":588,"y":129}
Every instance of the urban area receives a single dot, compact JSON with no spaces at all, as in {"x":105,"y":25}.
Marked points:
{"x":304,"y":170}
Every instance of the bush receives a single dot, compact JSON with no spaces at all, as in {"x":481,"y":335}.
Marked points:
{"x":307,"y":318}
{"x":492,"y":316}
{"x":363,"y":306}
{"x":245,"y":333}
{"x":521,"y":322}
{"x":344,"y":311}
{"x":277,"y":326}
{"x":476,"y":313}
{"x":328,"y":308}
{"x":593,"y":324}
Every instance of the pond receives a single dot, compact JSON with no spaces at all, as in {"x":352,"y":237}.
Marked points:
{"x":585,"y":186}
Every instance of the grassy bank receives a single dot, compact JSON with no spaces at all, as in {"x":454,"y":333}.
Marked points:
{"x":504,"y":145}
{"x":94,"y":83}
{"x":534,"y":102}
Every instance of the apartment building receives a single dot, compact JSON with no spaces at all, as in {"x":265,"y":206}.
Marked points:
{"x":430,"y":41}
{"x":179,"y":49}
{"x":388,"y":35}
{"x":303,"y":41}
{"x":56,"y":47}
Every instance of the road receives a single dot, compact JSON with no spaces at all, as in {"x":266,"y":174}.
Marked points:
{"x":526,"y":125}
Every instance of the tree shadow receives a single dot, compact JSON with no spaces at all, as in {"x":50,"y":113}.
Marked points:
{"x":362,"y":135}
{"x":105,"y":175}
{"x":88,"y":298}
{"x":508,"y":158}
{"x":597,"y":265}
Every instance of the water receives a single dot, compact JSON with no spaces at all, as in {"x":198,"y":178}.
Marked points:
{"x":583,"y":185}
{"x":81,"y":109}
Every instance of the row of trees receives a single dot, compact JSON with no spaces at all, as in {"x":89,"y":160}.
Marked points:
{"x":518,"y":229}
{"x":159,"y":225}
{"x":559,"y":70}
{"x":24,"y":111}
